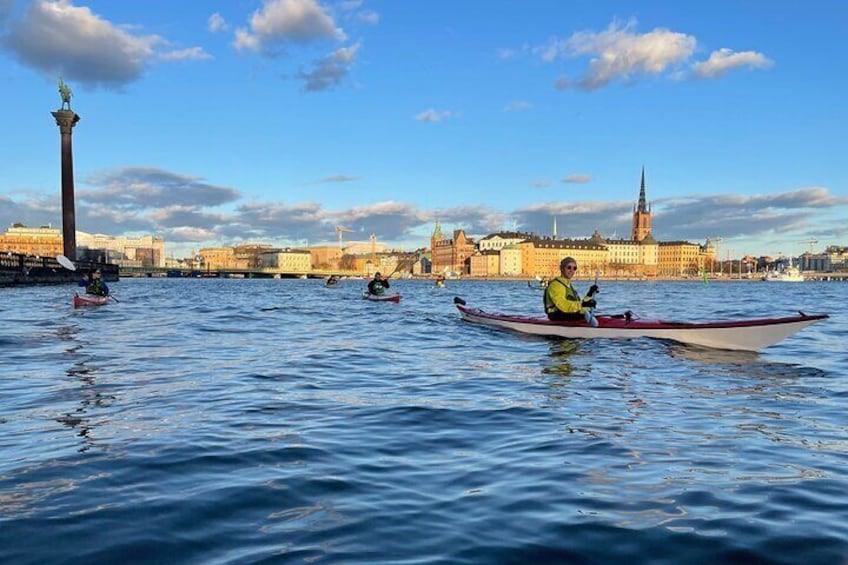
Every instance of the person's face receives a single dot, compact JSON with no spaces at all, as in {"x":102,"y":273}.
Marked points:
{"x":569,"y":270}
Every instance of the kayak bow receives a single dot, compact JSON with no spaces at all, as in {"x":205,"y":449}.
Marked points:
{"x":741,"y":335}
{"x":381,"y":297}
{"x":89,"y":300}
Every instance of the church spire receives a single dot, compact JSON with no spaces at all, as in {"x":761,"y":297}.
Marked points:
{"x":643,"y":204}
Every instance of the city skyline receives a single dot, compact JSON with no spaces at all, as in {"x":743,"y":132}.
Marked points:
{"x":277,"y":121}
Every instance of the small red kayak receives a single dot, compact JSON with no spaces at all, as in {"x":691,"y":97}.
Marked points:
{"x":381,"y":297}
{"x":89,"y":300}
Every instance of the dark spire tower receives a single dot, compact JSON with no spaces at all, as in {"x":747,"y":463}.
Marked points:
{"x":641,"y":215}
{"x":66,"y":120}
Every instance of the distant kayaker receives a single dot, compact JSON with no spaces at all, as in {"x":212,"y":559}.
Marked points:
{"x":561,"y":300}
{"x":378,"y":285}
{"x":440,"y":280}
{"x":96,"y":286}
{"x":333,"y":280}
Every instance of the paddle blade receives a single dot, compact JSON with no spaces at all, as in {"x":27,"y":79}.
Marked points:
{"x":65,"y":262}
{"x":458,"y":300}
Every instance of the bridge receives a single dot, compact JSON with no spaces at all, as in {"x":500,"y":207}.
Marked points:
{"x":258,"y":273}
{"x":18,"y":269}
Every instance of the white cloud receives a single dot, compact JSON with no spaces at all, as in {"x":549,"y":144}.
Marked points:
{"x":577,"y":178}
{"x":217,"y":23}
{"x":431,"y":115}
{"x":723,"y":60}
{"x":287,"y":21}
{"x":189,"y":54}
{"x":336,"y":178}
{"x":517,"y":106}
{"x":331,"y":70}
{"x":368,"y":17}
{"x":60,"y":39}
{"x":506,"y":54}
{"x":618,"y":53}
{"x":541,"y":183}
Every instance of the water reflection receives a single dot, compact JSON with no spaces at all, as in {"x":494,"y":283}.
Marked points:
{"x":84,"y":373}
{"x":558,"y":361}
{"x":714,"y":356}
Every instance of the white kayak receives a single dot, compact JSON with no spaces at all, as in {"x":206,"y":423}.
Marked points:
{"x":740,"y":335}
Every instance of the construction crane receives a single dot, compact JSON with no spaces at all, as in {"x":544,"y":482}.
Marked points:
{"x":340,"y":230}
{"x":717,"y":239}
{"x":810,"y":242}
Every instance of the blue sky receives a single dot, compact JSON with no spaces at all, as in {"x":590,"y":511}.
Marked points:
{"x":216,"y":123}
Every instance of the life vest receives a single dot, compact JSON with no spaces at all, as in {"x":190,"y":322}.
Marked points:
{"x":570,"y":296}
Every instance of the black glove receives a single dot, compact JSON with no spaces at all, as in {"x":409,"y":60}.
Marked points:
{"x":590,"y":303}
{"x":593,"y":290}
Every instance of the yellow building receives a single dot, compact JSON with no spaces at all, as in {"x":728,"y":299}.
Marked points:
{"x":679,"y":258}
{"x":542,"y":256}
{"x":286,"y":260}
{"x":214,"y":258}
{"x":628,"y":258}
{"x":45,"y":241}
{"x":511,"y":260}
{"x":485,"y":263}
{"x":325,"y":257}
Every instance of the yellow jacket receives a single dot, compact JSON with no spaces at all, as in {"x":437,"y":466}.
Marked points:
{"x":561,"y":296}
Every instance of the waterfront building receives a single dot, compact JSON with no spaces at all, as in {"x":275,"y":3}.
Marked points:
{"x":541,"y":256}
{"x":833,"y":259}
{"x":423,"y":265}
{"x":485,"y":263}
{"x":126,"y":251}
{"x":451,"y":255}
{"x":680,"y":258}
{"x":325,"y":257}
{"x":248,"y":253}
{"x":364,"y":248}
{"x":215,"y":258}
{"x":287,"y":260}
{"x":629,"y":258}
{"x":511,"y":260}
{"x":44,"y":241}
{"x":499,"y":240}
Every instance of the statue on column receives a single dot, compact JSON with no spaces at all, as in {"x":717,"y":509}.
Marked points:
{"x":65,"y":93}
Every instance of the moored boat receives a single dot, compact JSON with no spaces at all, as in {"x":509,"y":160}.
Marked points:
{"x":395,"y":297}
{"x":89,"y":300}
{"x":740,"y":335}
{"x":790,"y":274}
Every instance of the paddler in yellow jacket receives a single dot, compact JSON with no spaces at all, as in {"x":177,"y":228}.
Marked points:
{"x":561,"y":300}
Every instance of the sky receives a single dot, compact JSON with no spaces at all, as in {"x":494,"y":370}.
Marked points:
{"x":275,"y":121}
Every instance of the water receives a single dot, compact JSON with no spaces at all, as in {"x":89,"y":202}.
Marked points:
{"x":278,"y":421}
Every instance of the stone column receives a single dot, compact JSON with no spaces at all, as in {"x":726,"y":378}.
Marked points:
{"x":66,"y":120}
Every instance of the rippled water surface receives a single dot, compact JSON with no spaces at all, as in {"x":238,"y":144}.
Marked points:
{"x":279,"y":421}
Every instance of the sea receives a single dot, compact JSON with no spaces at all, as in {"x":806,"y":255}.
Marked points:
{"x":240,"y":421}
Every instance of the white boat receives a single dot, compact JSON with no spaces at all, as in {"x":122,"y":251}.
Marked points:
{"x":740,"y":335}
{"x":790,"y":274}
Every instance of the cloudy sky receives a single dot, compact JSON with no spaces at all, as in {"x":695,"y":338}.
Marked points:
{"x":275,"y":121}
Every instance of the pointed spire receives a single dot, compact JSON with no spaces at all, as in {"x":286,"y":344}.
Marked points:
{"x":643,"y":205}
{"x":437,"y":233}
